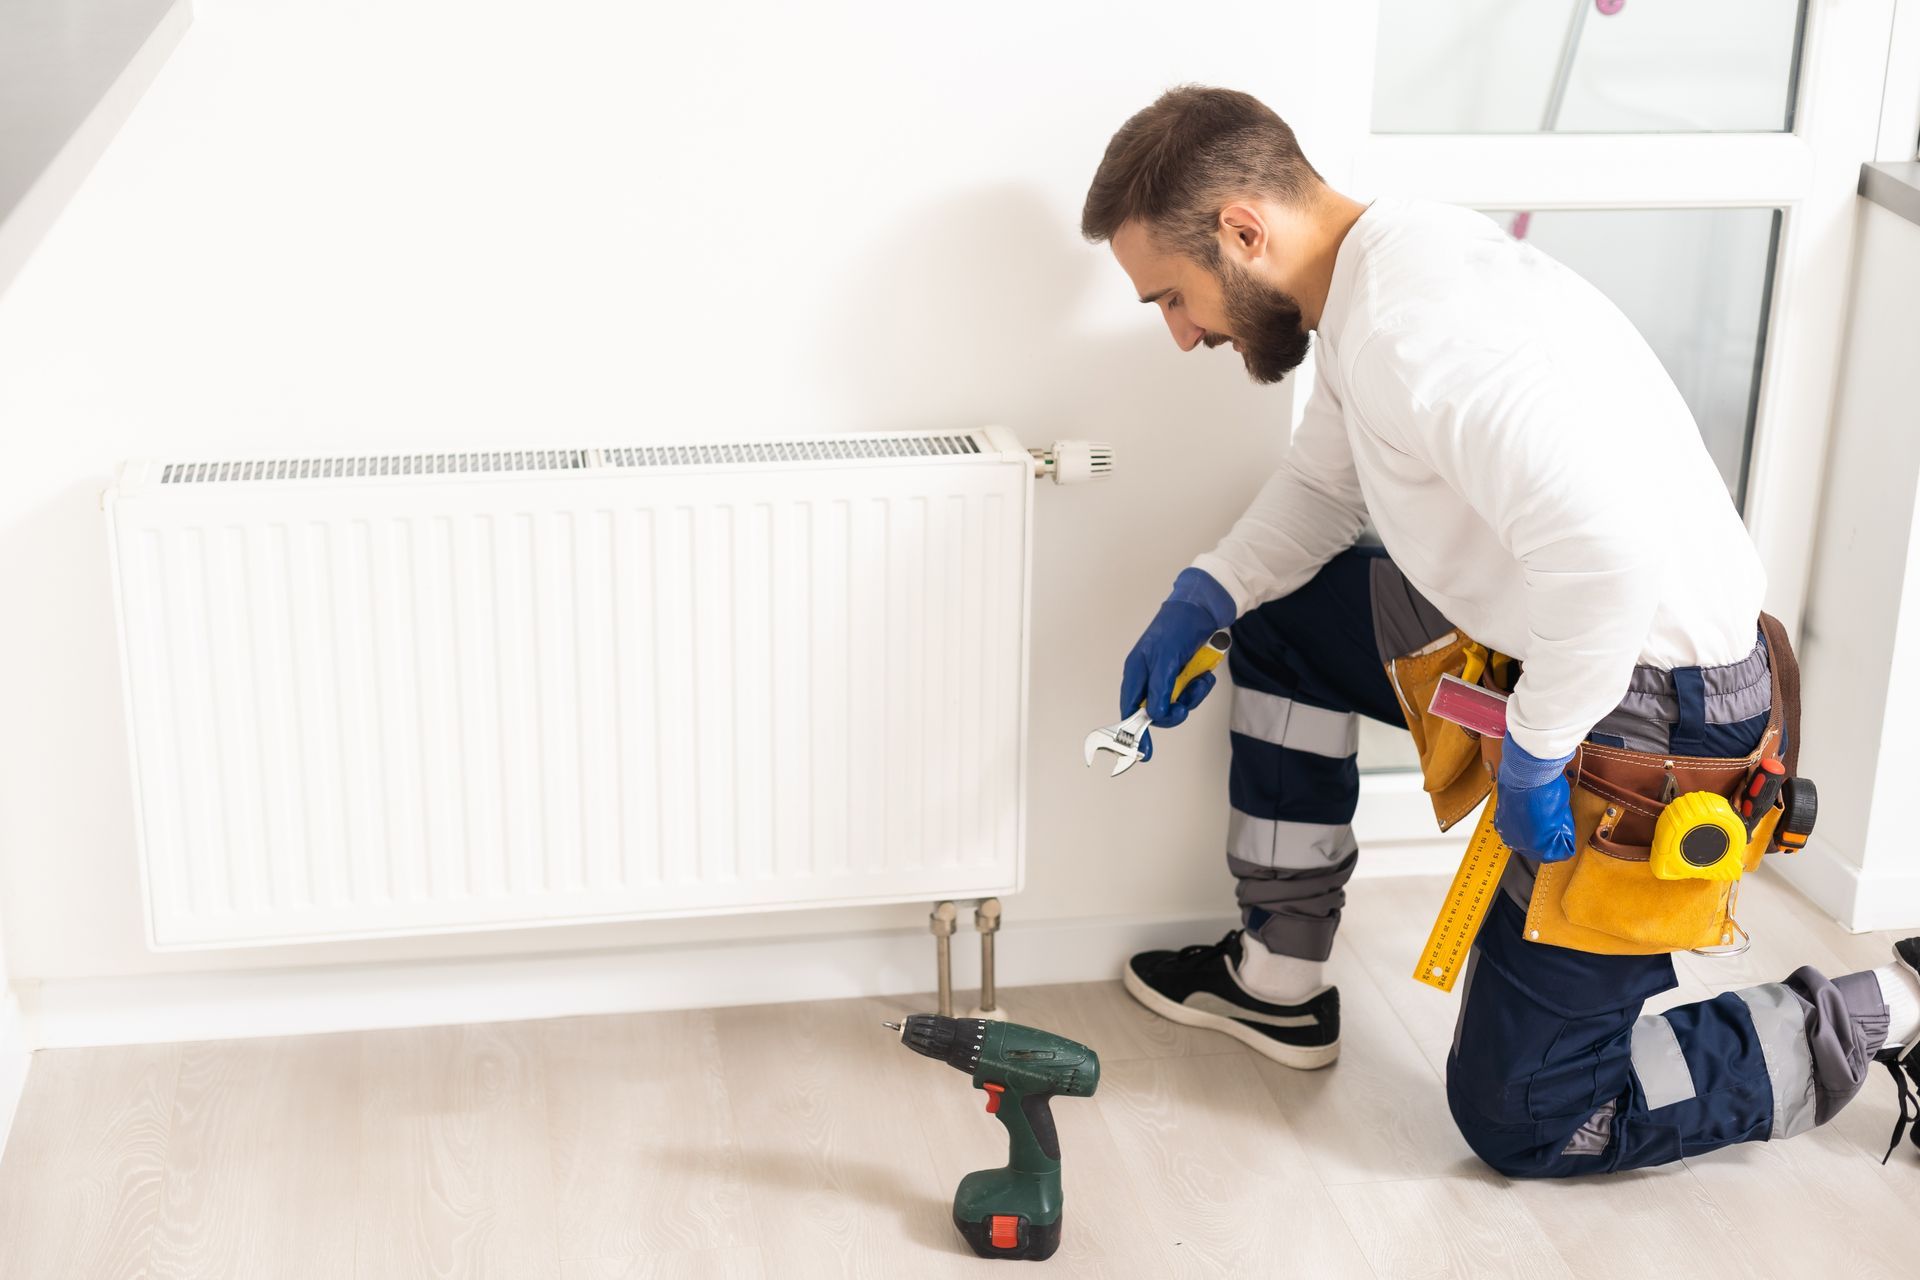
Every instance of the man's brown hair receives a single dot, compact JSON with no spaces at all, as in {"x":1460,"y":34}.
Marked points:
{"x":1177,"y":163}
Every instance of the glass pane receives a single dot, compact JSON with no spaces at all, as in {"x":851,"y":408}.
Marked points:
{"x":1586,"y":66}
{"x":1695,"y":283}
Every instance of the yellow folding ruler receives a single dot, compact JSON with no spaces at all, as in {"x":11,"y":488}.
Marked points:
{"x":1474,"y":885}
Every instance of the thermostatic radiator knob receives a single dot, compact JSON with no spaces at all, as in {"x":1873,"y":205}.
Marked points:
{"x":1073,"y":461}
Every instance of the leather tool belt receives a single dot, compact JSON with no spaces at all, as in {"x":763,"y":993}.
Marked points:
{"x":1605,"y":898}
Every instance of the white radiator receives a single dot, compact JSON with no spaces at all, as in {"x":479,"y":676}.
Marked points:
{"x":411,"y":694}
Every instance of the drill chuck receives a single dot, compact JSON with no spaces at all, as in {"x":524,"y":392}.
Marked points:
{"x":954,"y":1041}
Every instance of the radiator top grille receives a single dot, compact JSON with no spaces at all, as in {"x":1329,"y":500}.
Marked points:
{"x":353,"y":468}
{"x":828,"y":450}
{"x":523,"y":461}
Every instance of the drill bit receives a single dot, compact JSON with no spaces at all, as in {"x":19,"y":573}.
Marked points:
{"x":891,"y":1026}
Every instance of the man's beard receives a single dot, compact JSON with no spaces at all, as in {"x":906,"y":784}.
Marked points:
{"x":1273,"y":341}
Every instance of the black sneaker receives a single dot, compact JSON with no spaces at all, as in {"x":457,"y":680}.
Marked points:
{"x":1904,"y":1060}
{"x":1200,"y":987}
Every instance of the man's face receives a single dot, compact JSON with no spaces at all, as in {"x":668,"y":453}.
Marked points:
{"x":1203,"y":306}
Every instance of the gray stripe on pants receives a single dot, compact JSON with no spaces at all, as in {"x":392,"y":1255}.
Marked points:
{"x":1304,"y":905}
{"x":1659,"y":1064}
{"x":1295,"y":726}
{"x":1637,"y":732}
{"x":1645,"y":718}
{"x":1780,"y":1020}
{"x":1734,"y":691}
{"x":1403,"y":620}
{"x":1518,"y":879}
{"x":1264,"y":842}
{"x":1847,"y":1027}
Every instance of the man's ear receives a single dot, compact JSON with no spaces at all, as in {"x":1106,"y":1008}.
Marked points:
{"x":1243,"y":232}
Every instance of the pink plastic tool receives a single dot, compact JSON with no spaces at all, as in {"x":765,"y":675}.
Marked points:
{"x":1481,"y":710}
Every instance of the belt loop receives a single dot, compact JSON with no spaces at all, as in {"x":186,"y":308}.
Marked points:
{"x":1689,"y":736}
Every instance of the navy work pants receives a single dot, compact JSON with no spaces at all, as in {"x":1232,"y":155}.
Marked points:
{"x":1554,"y":1070}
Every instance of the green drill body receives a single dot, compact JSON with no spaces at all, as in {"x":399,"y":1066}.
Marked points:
{"x":1015,"y":1211}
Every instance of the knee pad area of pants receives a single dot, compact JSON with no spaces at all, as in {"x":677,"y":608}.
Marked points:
{"x":1516,"y":1149}
{"x":1511,"y":1148}
{"x":1519,"y":1064}
{"x":1484,"y":1098}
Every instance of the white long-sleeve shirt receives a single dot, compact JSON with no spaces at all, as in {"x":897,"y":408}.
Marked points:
{"x":1526,"y":460}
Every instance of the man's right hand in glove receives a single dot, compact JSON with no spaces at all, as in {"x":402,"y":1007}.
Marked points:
{"x":1198,"y":607}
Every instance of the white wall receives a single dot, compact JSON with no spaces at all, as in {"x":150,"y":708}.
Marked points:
{"x":373,"y":225}
{"x":1861,"y":651}
{"x":14,"y":1057}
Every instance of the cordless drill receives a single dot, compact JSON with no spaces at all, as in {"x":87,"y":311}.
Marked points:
{"x":1012,"y":1212}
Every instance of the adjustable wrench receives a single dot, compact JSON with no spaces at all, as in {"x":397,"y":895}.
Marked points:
{"x":1123,"y":739}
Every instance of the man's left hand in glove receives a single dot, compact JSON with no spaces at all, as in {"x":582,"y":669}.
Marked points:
{"x":1533,"y":810}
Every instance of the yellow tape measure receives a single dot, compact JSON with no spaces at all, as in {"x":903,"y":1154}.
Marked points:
{"x":1474,"y":885}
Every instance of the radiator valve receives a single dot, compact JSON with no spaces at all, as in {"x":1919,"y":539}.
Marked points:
{"x":1073,"y":461}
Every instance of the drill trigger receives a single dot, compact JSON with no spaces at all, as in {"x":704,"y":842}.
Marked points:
{"x":993,"y":1097}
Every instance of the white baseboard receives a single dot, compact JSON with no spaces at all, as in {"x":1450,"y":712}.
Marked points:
{"x":14,"y":1060}
{"x":235,"y":1004}
{"x":69,"y":1013}
{"x":1861,"y":902}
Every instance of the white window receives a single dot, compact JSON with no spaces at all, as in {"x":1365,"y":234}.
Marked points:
{"x":1697,"y":160}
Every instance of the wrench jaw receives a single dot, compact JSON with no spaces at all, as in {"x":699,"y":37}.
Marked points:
{"x":1122,"y":739}
{"x":1102,"y":740}
{"x":1107,"y":740}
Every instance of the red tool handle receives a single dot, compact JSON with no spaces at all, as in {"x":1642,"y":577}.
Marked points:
{"x":1761,"y":792}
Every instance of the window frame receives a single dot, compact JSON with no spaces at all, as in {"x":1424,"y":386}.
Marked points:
{"x":1810,"y":173}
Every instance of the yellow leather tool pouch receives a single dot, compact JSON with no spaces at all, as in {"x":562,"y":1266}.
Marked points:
{"x":1450,"y":765}
{"x":1606,"y":898}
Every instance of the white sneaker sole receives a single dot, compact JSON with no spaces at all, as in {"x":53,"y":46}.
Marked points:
{"x":1299,"y":1057}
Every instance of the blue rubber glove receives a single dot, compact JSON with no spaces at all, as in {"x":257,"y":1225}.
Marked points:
{"x":1198,"y":607}
{"x":1534,"y":810}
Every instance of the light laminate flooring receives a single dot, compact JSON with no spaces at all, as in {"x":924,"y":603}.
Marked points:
{"x":802,"y":1140}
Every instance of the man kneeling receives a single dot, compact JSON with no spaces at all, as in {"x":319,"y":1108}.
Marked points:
{"x":1541,"y":492}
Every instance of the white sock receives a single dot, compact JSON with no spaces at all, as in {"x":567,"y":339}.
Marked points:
{"x":1276,"y":979}
{"x":1900,"y":988}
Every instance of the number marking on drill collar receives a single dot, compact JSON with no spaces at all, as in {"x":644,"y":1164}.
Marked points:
{"x":1471,"y":893}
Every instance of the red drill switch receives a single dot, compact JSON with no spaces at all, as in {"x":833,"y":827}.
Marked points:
{"x":993,"y":1097}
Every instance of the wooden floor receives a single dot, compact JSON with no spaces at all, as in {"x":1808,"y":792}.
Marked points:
{"x":802,"y":1140}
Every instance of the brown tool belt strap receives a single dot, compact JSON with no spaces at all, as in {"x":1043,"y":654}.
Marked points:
{"x":1786,"y":685}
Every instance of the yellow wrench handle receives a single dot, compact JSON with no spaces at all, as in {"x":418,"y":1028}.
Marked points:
{"x":1205,"y":659}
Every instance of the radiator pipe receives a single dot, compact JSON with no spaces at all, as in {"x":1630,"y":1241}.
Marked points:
{"x":986,"y":920}
{"x":942,"y":922}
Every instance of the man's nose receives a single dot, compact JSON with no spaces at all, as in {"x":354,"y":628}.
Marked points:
{"x":1186,"y":335}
